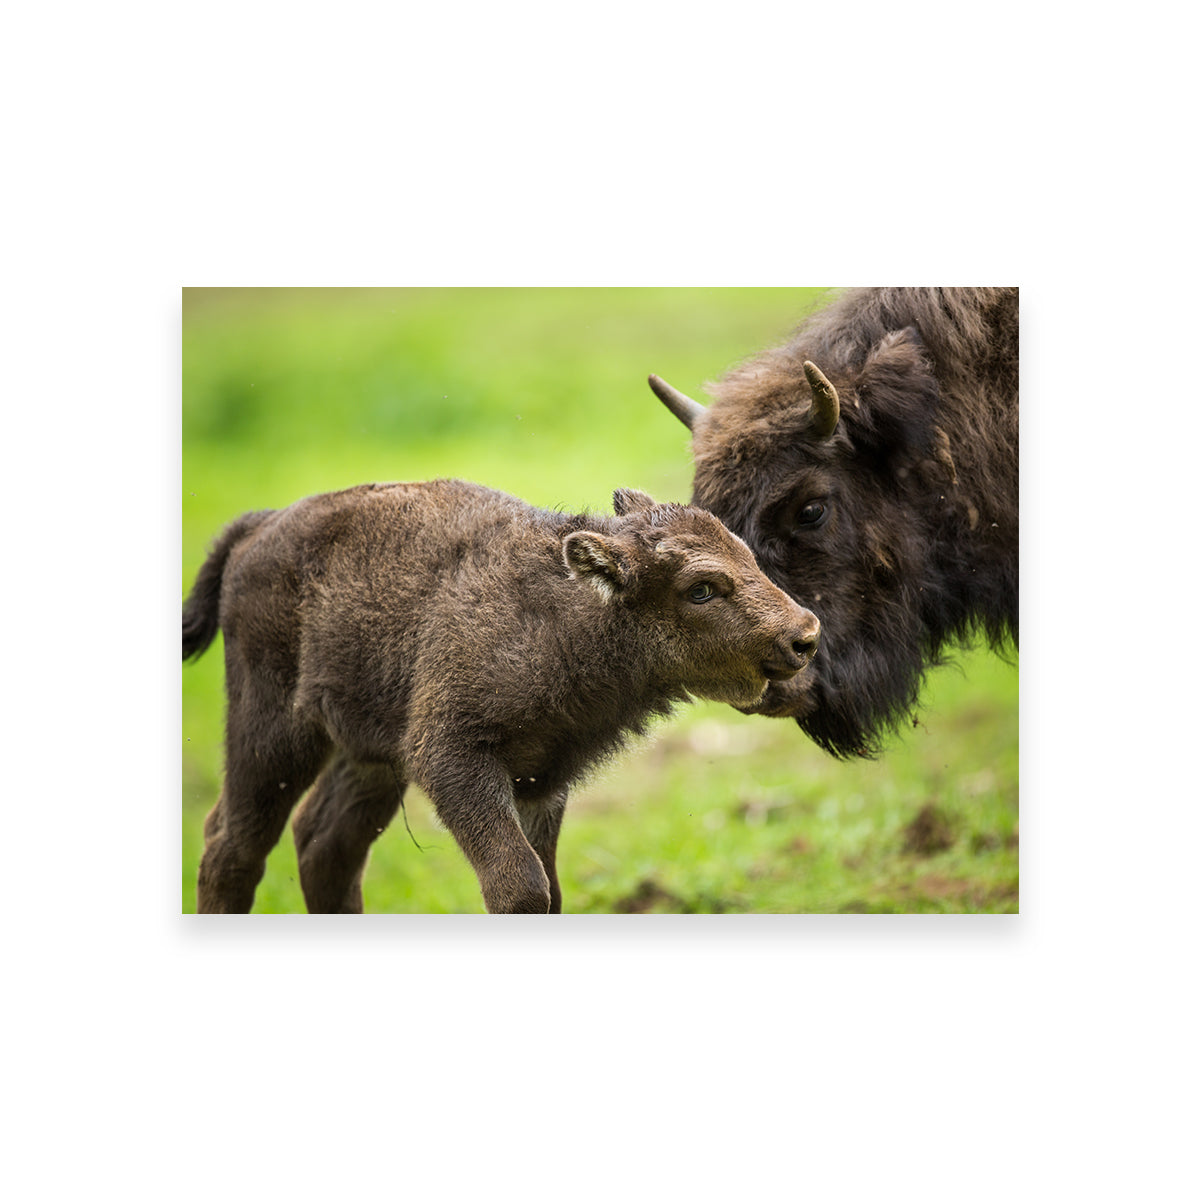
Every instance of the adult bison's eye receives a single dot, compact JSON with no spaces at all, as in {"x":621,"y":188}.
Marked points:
{"x":811,"y":515}
{"x":698,"y":593}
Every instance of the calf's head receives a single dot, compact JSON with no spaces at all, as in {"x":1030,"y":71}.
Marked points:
{"x":711,"y":621}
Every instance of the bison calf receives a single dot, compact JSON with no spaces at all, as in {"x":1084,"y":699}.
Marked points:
{"x":452,"y":636}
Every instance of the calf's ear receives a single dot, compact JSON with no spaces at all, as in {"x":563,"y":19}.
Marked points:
{"x":627,"y":500}
{"x":598,"y":560}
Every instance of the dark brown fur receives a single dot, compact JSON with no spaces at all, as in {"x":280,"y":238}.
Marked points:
{"x":455,"y":637}
{"x":917,"y":546}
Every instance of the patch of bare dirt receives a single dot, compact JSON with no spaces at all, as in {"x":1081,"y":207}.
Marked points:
{"x":651,"y":897}
{"x":929,"y":832}
{"x":937,"y":891}
{"x":969,"y":892}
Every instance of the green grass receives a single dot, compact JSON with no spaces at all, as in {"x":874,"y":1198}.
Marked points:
{"x":542,"y":392}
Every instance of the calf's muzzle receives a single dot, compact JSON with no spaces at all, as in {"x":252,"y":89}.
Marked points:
{"x":793,"y":649}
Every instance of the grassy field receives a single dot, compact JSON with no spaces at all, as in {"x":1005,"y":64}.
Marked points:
{"x":542,"y":392}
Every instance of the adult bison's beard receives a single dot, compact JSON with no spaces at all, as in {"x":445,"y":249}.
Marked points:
{"x":849,"y":702}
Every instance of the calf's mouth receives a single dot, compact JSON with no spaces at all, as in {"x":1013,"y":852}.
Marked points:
{"x":793,"y":696}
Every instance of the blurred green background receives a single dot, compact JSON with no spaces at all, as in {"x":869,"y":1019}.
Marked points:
{"x":542,"y":393}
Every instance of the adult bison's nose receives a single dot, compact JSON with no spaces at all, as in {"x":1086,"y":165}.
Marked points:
{"x":793,"y":650}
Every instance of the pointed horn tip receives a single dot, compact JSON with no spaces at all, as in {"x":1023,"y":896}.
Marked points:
{"x":684,"y":407}
{"x":825,"y":406}
{"x":816,"y":375}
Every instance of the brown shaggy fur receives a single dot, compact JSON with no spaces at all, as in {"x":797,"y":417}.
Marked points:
{"x":455,"y":637}
{"x":900,"y":531}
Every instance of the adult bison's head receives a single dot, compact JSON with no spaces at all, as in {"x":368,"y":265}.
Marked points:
{"x":842,"y":487}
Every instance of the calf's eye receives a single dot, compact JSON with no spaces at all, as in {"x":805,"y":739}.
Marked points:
{"x":700,"y":592}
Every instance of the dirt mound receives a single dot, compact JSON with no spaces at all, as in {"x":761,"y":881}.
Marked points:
{"x":929,"y":832}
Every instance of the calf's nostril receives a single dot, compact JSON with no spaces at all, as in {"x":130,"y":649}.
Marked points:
{"x":805,"y":647}
{"x":792,"y":652}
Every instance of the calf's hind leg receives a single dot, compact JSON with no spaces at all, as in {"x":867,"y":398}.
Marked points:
{"x":265,"y":774}
{"x":348,"y":808}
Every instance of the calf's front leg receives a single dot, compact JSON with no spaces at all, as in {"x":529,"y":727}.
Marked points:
{"x":474,"y":799}
{"x":541,"y":820}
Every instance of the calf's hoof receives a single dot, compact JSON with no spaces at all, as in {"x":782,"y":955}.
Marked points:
{"x":517,"y":888}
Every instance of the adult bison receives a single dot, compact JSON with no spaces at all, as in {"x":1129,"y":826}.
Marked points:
{"x":871,"y":464}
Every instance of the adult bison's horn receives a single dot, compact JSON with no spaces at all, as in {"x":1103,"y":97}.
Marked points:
{"x":684,"y":407}
{"x":824,"y":402}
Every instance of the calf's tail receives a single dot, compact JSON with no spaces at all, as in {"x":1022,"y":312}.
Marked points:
{"x":201,"y":610}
